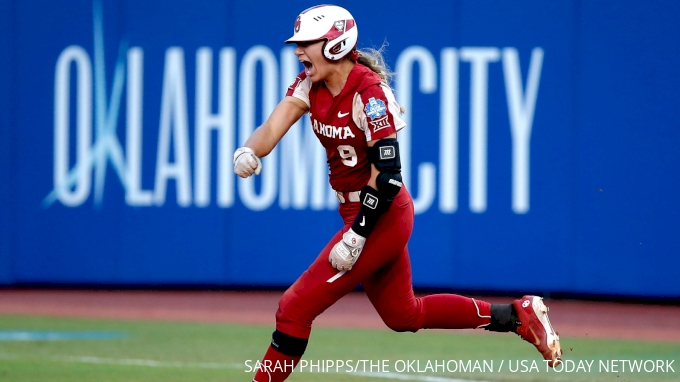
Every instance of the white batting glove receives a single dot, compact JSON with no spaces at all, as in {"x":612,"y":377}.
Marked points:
{"x":246,"y":163}
{"x":346,"y":252}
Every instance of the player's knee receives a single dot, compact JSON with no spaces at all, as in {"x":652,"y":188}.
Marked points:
{"x":402,"y":326}
{"x":294,"y":316}
{"x":409,"y":321}
{"x":286,"y":304}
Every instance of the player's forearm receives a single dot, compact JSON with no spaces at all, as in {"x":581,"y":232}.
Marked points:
{"x":285,"y":114}
{"x":374,"y":177}
{"x":262,"y":141}
{"x":383,"y":186}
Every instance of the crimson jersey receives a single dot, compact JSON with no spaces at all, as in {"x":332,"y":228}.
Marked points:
{"x":365,"y":110}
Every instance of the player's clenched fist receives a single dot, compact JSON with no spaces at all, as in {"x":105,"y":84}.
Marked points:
{"x":246,"y":163}
{"x":346,"y":251}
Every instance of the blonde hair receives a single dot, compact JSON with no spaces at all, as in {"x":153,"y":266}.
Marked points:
{"x":374,"y":60}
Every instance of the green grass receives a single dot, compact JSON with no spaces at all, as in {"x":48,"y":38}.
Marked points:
{"x":164,"y":351}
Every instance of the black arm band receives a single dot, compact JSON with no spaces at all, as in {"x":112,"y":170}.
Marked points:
{"x":373,"y":205}
{"x":384,"y":155}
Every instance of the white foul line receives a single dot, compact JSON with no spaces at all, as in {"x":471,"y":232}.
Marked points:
{"x":150,"y":363}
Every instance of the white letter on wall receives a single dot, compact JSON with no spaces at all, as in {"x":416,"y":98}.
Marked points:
{"x":247,"y":124}
{"x":521,"y":107}
{"x":62,"y":93}
{"x":223,"y":122}
{"x":479,"y":59}
{"x":134,"y":195}
{"x":173,"y":128}
{"x":404,"y":84}
{"x":448,"y":132}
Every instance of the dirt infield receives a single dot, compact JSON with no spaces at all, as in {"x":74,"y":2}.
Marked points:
{"x":570,"y":318}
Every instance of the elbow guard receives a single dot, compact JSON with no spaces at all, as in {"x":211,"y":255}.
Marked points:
{"x":389,"y":184}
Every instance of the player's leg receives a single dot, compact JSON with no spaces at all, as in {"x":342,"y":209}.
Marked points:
{"x":390,"y":291}
{"x":319,"y":286}
{"x":317,"y":289}
{"x":308,"y":297}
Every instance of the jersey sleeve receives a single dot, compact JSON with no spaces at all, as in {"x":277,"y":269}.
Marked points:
{"x":377,"y":113}
{"x":300,"y":88}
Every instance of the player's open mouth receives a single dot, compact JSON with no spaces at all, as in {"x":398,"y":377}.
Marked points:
{"x":308,"y":66}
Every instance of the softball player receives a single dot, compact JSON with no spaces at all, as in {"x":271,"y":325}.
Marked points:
{"x":356,"y":117}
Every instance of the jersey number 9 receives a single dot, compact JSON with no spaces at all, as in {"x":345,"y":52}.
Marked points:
{"x":348,"y":155}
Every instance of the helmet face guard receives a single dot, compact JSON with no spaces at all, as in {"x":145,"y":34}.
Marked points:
{"x":331,"y":23}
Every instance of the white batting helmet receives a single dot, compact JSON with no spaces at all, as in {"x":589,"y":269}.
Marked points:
{"x":327,"y":22}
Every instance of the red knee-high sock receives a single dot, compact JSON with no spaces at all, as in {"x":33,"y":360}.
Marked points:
{"x":451,"y":311}
{"x":275,"y":367}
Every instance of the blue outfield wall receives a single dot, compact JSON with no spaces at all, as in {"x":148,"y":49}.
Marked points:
{"x":542,"y":147}
{"x":5,"y":140}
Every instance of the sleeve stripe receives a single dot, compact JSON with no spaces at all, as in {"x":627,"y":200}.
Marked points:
{"x":393,"y":107}
{"x":300,"y":89}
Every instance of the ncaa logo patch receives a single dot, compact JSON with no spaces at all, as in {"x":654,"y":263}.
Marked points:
{"x":375,"y":108}
{"x":387,"y":152}
{"x":370,"y":201}
{"x":377,"y":112}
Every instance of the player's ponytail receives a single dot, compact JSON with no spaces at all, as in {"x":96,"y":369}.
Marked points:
{"x":374,"y":60}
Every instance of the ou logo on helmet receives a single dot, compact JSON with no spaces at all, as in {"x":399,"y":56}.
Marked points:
{"x":297,"y":24}
{"x":339,"y":25}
